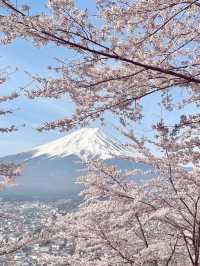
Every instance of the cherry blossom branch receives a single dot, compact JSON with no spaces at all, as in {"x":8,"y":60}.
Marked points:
{"x":111,"y":55}
{"x":173,"y":252}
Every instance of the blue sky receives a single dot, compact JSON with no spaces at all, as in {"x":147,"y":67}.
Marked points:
{"x":26,"y":57}
{"x":33,"y":113}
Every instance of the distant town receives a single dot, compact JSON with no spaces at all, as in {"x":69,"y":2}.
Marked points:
{"x":30,"y":218}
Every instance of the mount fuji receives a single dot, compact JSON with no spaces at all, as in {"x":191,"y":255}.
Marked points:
{"x":50,"y":170}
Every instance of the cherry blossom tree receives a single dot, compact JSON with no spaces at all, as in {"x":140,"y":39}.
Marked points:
{"x":126,"y":52}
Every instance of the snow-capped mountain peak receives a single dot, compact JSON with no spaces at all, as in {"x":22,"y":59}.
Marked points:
{"x":86,"y":143}
{"x":50,"y":170}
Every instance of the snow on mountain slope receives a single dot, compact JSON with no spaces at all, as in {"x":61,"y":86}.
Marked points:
{"x":86,"y":143}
